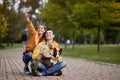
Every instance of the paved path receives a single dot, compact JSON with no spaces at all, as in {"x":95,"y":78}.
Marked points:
{"x":11,"y":68}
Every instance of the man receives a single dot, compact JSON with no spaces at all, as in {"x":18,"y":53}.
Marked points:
{"x":42,"y":69}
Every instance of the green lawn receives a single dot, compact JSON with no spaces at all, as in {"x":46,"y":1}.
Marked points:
{"x":109,"y":53}
{"x":15,"y":45}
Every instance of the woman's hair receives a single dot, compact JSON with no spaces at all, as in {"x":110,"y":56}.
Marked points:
{"x":43,"y":26}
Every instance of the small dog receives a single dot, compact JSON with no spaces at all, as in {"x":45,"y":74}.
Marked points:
{"x":49,"y":62}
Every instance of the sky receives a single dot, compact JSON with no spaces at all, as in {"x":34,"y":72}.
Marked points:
{"x":1,"y":1}
{"x":16,"y":5}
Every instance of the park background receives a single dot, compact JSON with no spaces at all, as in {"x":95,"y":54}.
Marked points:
{"x":91,"y":26}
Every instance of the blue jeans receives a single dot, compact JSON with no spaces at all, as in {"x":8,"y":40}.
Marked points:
{"x":27,"y":57}
{"x":41,"y":67}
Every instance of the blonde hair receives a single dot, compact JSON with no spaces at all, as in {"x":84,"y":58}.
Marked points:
{"x":45,"y":28}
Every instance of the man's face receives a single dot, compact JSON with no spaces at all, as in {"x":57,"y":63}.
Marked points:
{"x":41,"y":29}
{"x":49,"y":35}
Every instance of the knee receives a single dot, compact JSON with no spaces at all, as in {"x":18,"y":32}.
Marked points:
{"x":34,"y":65}
{"x":63,"y":64}
{"x":29,"y":54}
{"x":33,"y":62}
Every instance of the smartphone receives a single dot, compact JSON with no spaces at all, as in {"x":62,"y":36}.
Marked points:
{"x":31,"y":12}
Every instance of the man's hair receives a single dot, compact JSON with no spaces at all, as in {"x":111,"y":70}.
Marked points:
{"x":45,"y":33}
{"x":50,"y":30}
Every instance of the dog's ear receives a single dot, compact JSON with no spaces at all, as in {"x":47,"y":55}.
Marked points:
{"x":60,"y":51}
{"x":54,"y":52}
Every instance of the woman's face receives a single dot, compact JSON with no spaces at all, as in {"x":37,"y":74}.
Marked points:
{"x":41,"y":29}
{"x":49,"y":35}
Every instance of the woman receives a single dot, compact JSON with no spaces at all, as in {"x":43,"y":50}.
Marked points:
{"x":36,"y":36}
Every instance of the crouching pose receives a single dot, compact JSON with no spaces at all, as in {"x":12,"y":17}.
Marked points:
{"x":36,"y":36}
{"x":47,"y":58}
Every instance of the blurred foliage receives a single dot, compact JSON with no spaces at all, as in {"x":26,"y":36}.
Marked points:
{"x":14,"y":18}
{"x":70,"y":19}
{"x":3,"y":26}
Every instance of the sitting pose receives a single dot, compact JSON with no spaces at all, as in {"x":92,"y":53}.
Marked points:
{"x":38,"y":65}
{"x":48,"y":62}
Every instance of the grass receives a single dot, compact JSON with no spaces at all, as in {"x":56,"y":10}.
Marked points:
{"x":109,"y":53}
{"x":16,"y":45}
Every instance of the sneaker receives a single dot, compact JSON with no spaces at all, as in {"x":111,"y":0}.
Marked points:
{"x":37,"y":73}
{"x":26,"y":70}
{"x":58,"y":73}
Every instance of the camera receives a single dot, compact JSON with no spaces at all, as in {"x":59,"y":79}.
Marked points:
{"x":31,"y":12}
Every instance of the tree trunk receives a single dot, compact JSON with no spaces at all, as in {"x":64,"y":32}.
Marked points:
{"x":98,"y":33}
{"x":91,"y":38}
{"x":73,"y":44}
{"x":73,"y":40}
{"x":98,"y":39}
{"x":65,"y":45}
{"x":0,"y":41}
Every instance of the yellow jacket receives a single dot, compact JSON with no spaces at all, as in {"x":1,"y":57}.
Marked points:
{"x":34,"y":38}
{"x":37,"y":51}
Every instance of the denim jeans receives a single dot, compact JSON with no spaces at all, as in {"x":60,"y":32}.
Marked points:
{"x":27,"y":57}
{"x":41,"y":67}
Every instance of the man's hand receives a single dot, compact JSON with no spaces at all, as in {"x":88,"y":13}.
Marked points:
{"x":47,"y":55}
{"x":43,"y":57}
{"x":39,"y":57}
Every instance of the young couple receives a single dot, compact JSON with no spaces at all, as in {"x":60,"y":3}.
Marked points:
{"x":38,"y":38}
